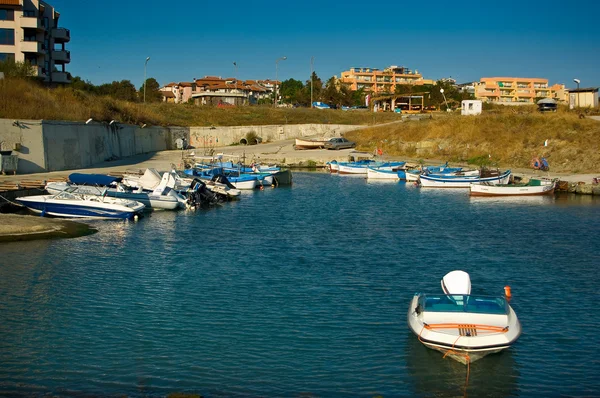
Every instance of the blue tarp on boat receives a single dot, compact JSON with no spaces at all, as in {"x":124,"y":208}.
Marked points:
{"x":93,"y":179}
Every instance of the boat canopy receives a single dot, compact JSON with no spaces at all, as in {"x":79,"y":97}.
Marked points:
{"x":93,"y":179}
{"x":464,"y":303}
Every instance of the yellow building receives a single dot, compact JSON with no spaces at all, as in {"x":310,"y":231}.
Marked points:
{"x":375,"y":81}
{"x":29,"y":32}
{"x":518,"y":90}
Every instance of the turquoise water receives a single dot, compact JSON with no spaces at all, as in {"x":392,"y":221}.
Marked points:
{"x":302,"y":291}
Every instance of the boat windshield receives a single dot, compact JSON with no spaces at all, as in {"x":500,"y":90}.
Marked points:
{"x":464,"y":303}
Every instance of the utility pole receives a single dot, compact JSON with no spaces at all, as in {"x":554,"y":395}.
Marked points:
{"x":145,"y":65}
{"x":312,"y":61}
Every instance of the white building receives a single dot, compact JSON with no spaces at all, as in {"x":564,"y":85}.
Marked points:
{"x":470,"y":107}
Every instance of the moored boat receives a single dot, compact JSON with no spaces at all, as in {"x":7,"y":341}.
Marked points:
{"x":535,"y":186}
{"x":463,"y":181}
{"x":310,"y":144}
{"x":382,"y":174}
{"x":462,"y":326}
{"x":69,"y":204}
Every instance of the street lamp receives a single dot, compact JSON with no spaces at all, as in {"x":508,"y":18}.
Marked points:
{"x":145,"y":65}
{"x":312,"y":61}
{"x":442,"y":91}
{"x":577,"y":81}
{"x":276,"y":69}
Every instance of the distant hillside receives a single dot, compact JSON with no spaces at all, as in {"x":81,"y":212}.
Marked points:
{"x":21,"y":99}
{"x":509,"y":137}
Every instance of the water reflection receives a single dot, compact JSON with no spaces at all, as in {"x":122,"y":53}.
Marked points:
{"x":432,"y":375}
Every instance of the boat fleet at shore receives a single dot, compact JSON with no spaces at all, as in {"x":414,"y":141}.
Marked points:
{"x":482,"y":182}
{"x":127,"y":196}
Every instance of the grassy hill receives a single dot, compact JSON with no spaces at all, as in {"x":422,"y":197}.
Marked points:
{"x":507,"y":136}
{"x":26,"y":100}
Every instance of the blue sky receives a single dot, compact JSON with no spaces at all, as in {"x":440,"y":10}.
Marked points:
{"x":110,"y":40}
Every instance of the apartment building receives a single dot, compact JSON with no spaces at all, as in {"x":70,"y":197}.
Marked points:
{"x":517,"y":90}
{"x":376,"y":81}
{"x":29,"y":32}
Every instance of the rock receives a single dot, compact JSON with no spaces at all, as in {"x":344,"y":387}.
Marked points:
{"x":584,"y":189}
{"x":596,"y":190}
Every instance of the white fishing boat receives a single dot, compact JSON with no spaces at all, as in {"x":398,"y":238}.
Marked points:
{"x":535,"y":186}
{"x":412,"y":175}
{"x":374,"y":173}
{"x":462,"y":326}
{"x":462,"y":181}
{"x":310,"y":143}
{"x":72,"y":204}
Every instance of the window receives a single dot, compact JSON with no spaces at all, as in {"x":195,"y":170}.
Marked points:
{"x":6,"y":56}
{"x":7,"y":37}
{"x":7,"y":15}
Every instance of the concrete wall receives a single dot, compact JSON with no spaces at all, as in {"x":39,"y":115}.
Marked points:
{"x":206,"y":137}
{"x":72,"y":145}
{"x":61,"y":145}
{"x":28,"y":134}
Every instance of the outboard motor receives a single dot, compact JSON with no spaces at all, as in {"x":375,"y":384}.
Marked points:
{"x":456,"y":283}
{"x":199,"y":195}
{"x":220,"y":178}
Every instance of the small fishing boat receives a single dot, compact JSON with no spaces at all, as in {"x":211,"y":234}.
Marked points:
{"x":535,"y":186}
{"x":463,"y":181}
{"x":462,"y":326}
{"x":70,"y":203}
{"x":310,"y":144}
{"x":374,"y":173}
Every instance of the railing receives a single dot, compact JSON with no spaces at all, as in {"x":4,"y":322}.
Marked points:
{"x":61,"y":34}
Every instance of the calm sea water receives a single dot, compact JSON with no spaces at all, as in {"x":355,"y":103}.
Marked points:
{"x":302,"y":291}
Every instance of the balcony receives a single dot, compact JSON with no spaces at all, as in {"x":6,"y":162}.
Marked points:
{"x":32,"y":47}
{"x":61,"y":56}
{"x":32,"y":23}
{"x":61,"y":35}
{"x":61,"y":77}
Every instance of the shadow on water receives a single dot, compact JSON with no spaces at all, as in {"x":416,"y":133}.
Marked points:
{"x":433,"y":375}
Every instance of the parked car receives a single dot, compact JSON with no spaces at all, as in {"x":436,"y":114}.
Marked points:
{"x":339,"y":143}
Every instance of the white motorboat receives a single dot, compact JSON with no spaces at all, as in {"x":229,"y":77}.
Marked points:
{"x":462,"y":326}
{"x":162,"y":197}
{"x":70,"y":203}
{"x":535,"y":186}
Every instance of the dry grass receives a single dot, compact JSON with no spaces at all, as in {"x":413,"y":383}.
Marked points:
{"x":26,"y":100}
{"x":508,"y":138}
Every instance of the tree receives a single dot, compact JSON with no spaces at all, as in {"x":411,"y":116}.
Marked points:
{"x":17,"y":69}
{"x":153,"y":93}
{"x":77,"y":83}
{"x":123,"y":90}
{"x":290,"y":90}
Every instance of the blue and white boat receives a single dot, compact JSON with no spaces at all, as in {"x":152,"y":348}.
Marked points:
{"x":243,"y":181}
{"x":70,"y":203}
{"x":462,"y":181}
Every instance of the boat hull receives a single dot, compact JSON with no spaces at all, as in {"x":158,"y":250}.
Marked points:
{"x":461,"y":181}
{"x":46,"y":205}
{"x":379,"y":174}
{"x":150,"y":200}
{"x":460,"y":347}
{"x":310,"y":144}
{"x":345,"y":169}
{"x":512,"y":190}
